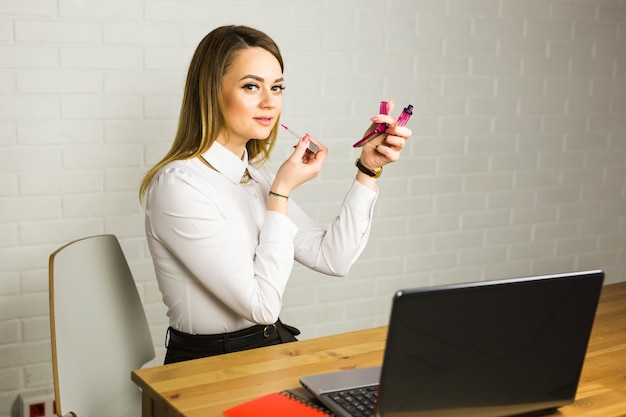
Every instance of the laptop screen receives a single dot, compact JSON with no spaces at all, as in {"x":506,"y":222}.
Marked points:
{"x":488,"y":348}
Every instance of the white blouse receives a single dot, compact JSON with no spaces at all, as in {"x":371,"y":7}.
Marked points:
{"x":222,"y":260}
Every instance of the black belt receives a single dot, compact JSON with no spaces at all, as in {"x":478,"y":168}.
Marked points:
{"x":236,"y":340}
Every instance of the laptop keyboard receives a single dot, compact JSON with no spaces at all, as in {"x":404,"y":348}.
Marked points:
{"x":358,"y":402}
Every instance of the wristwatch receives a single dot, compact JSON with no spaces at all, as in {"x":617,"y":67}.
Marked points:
{"x":367,"y":171}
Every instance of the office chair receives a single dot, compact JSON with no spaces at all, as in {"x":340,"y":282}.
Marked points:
{"x":98,"y":328}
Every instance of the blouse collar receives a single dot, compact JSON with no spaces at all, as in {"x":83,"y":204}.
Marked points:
{"x":226,"y":162}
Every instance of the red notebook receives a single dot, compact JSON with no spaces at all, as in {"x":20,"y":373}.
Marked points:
{"x":277,"y":404}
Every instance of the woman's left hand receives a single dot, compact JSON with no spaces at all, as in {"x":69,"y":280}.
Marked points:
{"x":386,"y":147}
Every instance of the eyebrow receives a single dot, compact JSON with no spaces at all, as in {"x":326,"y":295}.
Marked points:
{"x":260,"y":79}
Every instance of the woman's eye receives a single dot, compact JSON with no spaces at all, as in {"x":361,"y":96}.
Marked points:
{"x":256,"y":87}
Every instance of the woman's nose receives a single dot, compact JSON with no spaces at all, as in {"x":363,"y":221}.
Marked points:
{"x":268,"y":99}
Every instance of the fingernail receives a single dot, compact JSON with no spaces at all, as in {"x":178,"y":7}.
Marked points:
{"x":306,"y":138}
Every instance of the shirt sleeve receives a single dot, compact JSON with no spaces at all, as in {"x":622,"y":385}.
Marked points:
{"x":334,"y":251}
{"x":193,"y":226}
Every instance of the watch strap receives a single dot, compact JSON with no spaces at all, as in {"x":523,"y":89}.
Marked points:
{"x":366,"y":170}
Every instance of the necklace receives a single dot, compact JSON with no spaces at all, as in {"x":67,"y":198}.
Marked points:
{"x":245,"y":178}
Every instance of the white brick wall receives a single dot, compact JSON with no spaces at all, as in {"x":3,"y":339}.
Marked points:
{"x":517,"y":165}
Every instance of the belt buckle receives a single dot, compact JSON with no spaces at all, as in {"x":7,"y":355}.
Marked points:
{"x":266,"y":330}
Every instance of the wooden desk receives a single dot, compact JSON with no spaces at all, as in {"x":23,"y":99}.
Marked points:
{"x":206,"y":387}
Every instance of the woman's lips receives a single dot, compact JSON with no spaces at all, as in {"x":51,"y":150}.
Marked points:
{"x":265,"y":121}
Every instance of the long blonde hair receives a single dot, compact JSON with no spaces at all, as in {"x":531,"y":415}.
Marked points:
{"x":202,"y":111}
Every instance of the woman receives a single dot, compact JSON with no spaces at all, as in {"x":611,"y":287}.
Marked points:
{"x":221,"y":229}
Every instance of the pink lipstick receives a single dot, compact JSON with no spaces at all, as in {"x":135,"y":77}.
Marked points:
{"x":403,"y":119}
{"x":378,"y":130}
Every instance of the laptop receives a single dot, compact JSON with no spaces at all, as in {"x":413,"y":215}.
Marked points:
{"x":492,"y":348}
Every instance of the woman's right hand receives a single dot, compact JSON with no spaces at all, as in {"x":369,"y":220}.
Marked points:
{"x":302,"y":166}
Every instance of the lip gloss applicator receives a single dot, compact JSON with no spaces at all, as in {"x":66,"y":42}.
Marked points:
{"x":312,"y":147}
